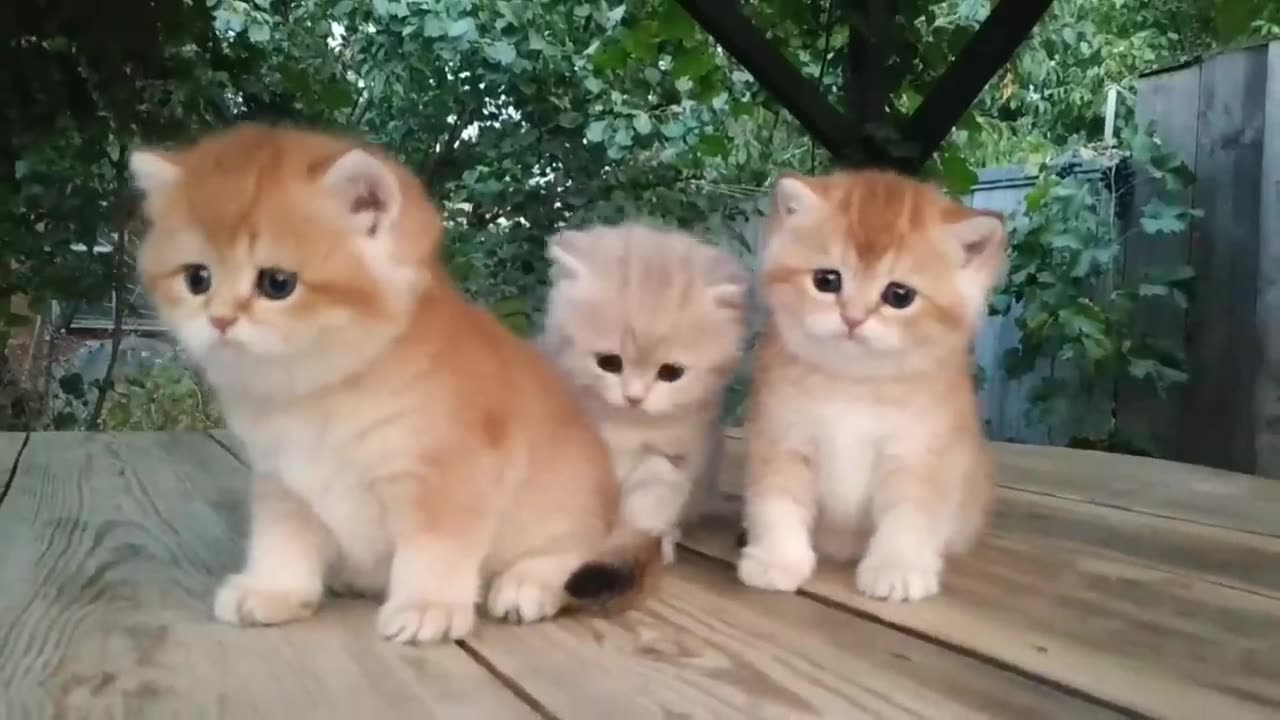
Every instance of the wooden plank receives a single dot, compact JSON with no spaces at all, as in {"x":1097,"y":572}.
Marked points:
{"x":10,"y":448}
{"x":708,"y":647}
{"x":1098,"y":599}
{"x":1199,"y":494}
{"x":112,"y":548}
{"x":1162,"y":100}
{"x":1216,"y":427}
{"x":1239,"y":560}
{"x":1155,"y":642}
{"x":1268,"y":442}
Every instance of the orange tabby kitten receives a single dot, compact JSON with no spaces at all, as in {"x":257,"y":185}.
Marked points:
{"x":403,"y":443}
{"x":647,"y":325}
{"x":864,"y":436}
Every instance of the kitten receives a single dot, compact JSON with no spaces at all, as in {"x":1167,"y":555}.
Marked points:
{"x":403,"y":443}
{"x":864,"y":436}
{"x":647,"y":326}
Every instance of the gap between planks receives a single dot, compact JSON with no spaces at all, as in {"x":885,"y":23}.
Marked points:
{"x":11,"y":447}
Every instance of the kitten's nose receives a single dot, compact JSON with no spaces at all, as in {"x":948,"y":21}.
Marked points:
{"x":634,"y":400}
{"x":221,"y":323}
{"x":852,"y":321}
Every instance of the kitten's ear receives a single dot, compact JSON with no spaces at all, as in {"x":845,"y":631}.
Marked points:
{"x":793,"y":194}
{"x":980,"y":235}
{"x":366,"y":187}
{"x":729,"y":283}
{"x":154,"y":171}
{"x":566,"y":250}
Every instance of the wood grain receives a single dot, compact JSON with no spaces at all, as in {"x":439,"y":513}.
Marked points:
{"x":708,"y":647}
{"x":1241,"y":560}
{"x":1157,"y":643}
{"x":1189,"y":492}
{"x":1114,"y":614}
{"x":1217,"y":423}
{"x":112,"y":546}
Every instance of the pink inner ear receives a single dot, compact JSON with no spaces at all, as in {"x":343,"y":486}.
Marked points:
{"x":974,"y":248}
{"x":367,"y":200}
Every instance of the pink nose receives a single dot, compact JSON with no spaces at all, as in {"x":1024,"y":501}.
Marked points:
{"x":852,"y":321}
{"x":221,"y":323}
{"x":634,"y":401}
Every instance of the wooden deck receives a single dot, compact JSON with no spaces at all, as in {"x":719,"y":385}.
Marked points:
{"x":1109,"y":587}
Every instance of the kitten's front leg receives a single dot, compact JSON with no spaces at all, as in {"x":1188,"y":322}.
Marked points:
{"x":654,"y":496}
{"x":904,"y":558}
{"x":283,"y":577}
{"x":442,"y":529}
{"x":780,"y":508}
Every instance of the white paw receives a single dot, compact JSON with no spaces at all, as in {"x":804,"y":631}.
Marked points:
{"x":425,"y":622}
{"x":518,"y":599}
{"x":773,"y":568}
{"x":897,"y":580}
{"x":669,"y":542}
{"x":242,"y":601}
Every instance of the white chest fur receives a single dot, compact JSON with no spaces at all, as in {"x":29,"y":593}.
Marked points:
{"x":846,"y":441}
{"x":322,"y":465}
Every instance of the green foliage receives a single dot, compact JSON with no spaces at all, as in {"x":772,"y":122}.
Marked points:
{"x":166,"y":395}
{"x":522,"y":117}
{"x":1075,"y":317}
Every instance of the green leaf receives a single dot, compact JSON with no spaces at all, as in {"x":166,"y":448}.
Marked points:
{"x":435,"y":27}
{"x":503,"y":53}
{"x":458,"y":28}
{"x":1160,"y":217}
{"x":570,"y":119}
{"x":713,"y":145}
{"x":642,"y":123}
{"x":958,"y":175}
{"x":259,"y":33}
{"x":595,"y":130}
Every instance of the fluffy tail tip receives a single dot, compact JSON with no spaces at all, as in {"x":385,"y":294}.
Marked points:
{"x":598,"y":583}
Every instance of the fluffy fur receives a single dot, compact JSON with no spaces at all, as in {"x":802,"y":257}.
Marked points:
{"x":403,"y":443}
{"x":649,"y":297}
{"x":864,"y":437}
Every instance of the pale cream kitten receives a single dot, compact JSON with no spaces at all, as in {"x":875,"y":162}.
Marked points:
{"x":403,"y":443}
{"x":647,"y":325}
{"x":864,"y":437}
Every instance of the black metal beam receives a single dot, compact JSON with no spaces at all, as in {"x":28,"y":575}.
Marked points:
{"x":991,"y":48}
{"x":734,"y":31}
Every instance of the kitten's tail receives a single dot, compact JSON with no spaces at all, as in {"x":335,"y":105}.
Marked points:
{"x":620,"y":576}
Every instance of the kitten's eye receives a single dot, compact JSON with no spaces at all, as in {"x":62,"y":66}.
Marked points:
{"x":898,"y":296}
{"x":826,"y":280}
{"x":198,"y":279}
{"x":276,"y":284}
{"x":670,"y":372}
{"x":609,"y":362}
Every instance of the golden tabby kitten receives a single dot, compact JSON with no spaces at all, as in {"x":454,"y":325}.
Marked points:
{"x":403,"y":443}
{"x":864,"y":436}
{"x":647,"y":325}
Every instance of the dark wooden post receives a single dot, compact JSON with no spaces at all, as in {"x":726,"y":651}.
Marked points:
{"x":1220,"y":116}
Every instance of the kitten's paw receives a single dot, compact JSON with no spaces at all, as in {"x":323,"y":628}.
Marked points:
{"x":772,"y":568}
{"x":898,"y":580}
{"x":669,"y":542}
{"x":242,"y":601}
{"x":520,"y":599}
{"x":425,"y":622}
